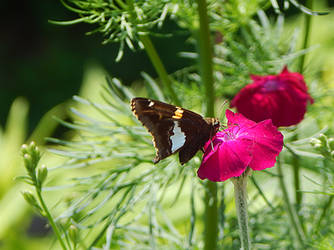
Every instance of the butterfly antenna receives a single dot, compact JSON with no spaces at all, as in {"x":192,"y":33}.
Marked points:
{"x":222,"y":108}
{"x":212,"y":145}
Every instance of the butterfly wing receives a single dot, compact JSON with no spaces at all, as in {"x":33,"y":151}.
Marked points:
{"x":173,"y":128}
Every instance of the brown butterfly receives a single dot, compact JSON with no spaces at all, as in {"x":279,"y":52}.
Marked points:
{"x":174,"y":129}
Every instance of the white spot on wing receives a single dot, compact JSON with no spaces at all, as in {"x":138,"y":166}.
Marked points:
{"x":178,"y":139}
{"x":151,"y":103}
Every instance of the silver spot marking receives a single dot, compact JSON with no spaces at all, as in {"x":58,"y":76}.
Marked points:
{"x":178,"y":139}
{"x":151,"y":103}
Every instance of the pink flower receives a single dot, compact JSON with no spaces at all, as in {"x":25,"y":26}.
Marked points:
{"x":281,"y":98}
{"x":242,"y":144}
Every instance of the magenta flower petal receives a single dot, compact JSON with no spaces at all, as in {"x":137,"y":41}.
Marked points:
{"x":282,"y":98}
{"x":227,"y":159}
{"x":242,"y":144}
{"x":268,"y":144}
{"x":238,"y":119}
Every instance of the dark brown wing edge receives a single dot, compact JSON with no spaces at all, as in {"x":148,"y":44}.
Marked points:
{"x":158,"y":123}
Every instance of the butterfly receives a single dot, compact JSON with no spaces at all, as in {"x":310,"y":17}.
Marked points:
{"x":173,"y":128}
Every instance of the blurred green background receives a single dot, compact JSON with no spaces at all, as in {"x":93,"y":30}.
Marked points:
{"x":43,"y":65}
{"x":39,"y":57}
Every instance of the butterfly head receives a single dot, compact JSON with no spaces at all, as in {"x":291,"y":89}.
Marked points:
{"x":214,"y":123}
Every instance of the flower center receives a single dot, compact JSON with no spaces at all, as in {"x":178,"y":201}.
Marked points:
{"x":271,"y":85}
{"x":228,"y":134}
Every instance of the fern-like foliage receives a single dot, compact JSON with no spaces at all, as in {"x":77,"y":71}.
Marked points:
{"x":120,"y":190}
{"x":117,"y":199}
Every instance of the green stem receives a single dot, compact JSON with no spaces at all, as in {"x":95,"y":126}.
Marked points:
{"x":240,"y":192}
{"x":294,"y":219}
{"x":159,"y":67}
{"x":324,"y":212}
{"x":298,"y":193}
{"x":153,"y":55}
{"x":296,"y":175}
{"x":206,"y":71}
{"x":329,"y":202}
{"x":205,"y":57}
{"x":211,"y":217}
{"x":50,"y":219}
{"x":307,"y":30}
{"x":296,"y":160}
{"x":261,"y":193}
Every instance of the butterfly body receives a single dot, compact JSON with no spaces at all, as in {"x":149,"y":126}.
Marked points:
{"x":174,"y":129}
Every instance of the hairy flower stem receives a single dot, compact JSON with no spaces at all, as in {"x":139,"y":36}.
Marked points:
{"x":159,"y":67}
{"x":240,"y":192}
{"x":294,"y":219}
{"x":206,"y":71}
{"x":50,"y":219}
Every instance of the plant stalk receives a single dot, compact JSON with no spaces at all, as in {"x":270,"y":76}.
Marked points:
{"x":159,"y":67}
{"x":294,"y":219}
{"x":154,"y":57}
{"x":240,"y":192}
{"x":296,"y":160}
{"x":206,"y":71}
{"x":324,"y":212}
{"x":211,"y":217}
{"x":205,"y":57}
{"x":50,"y":219}
{"x":307,"y":30}
{"x":328,"y":204}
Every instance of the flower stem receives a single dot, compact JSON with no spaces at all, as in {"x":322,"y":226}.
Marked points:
{"x":307,"y":30}
{"x":324,"y":212}
{"x":294,"y":219}
{"x":154,"y":56}
{"x":159,"y":67}
{"x":205,"y":57}
{"x":296,"y":174}
{"x":206,"y":71}
{"x":211,"y":217}
{"x":298,"y":193}
{"x":328,"y":203}
{"x":296,"y":160}
{"x":240,"y":192}
{"x":50,"y":219}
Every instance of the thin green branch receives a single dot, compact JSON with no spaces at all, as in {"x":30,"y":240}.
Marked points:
{"x":308,"y":11}
{"x":294,"y":219}
{"x":324,"y":212}
{"x":295,"y":159}
{"x":192,"y":218}
{"x":307,"y":31}
{"x":329,"y":201}
{"x":261,"y":192}
{"x":50,"y":219}
{"x":159,"y":67}
{"x":296,"y":175}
